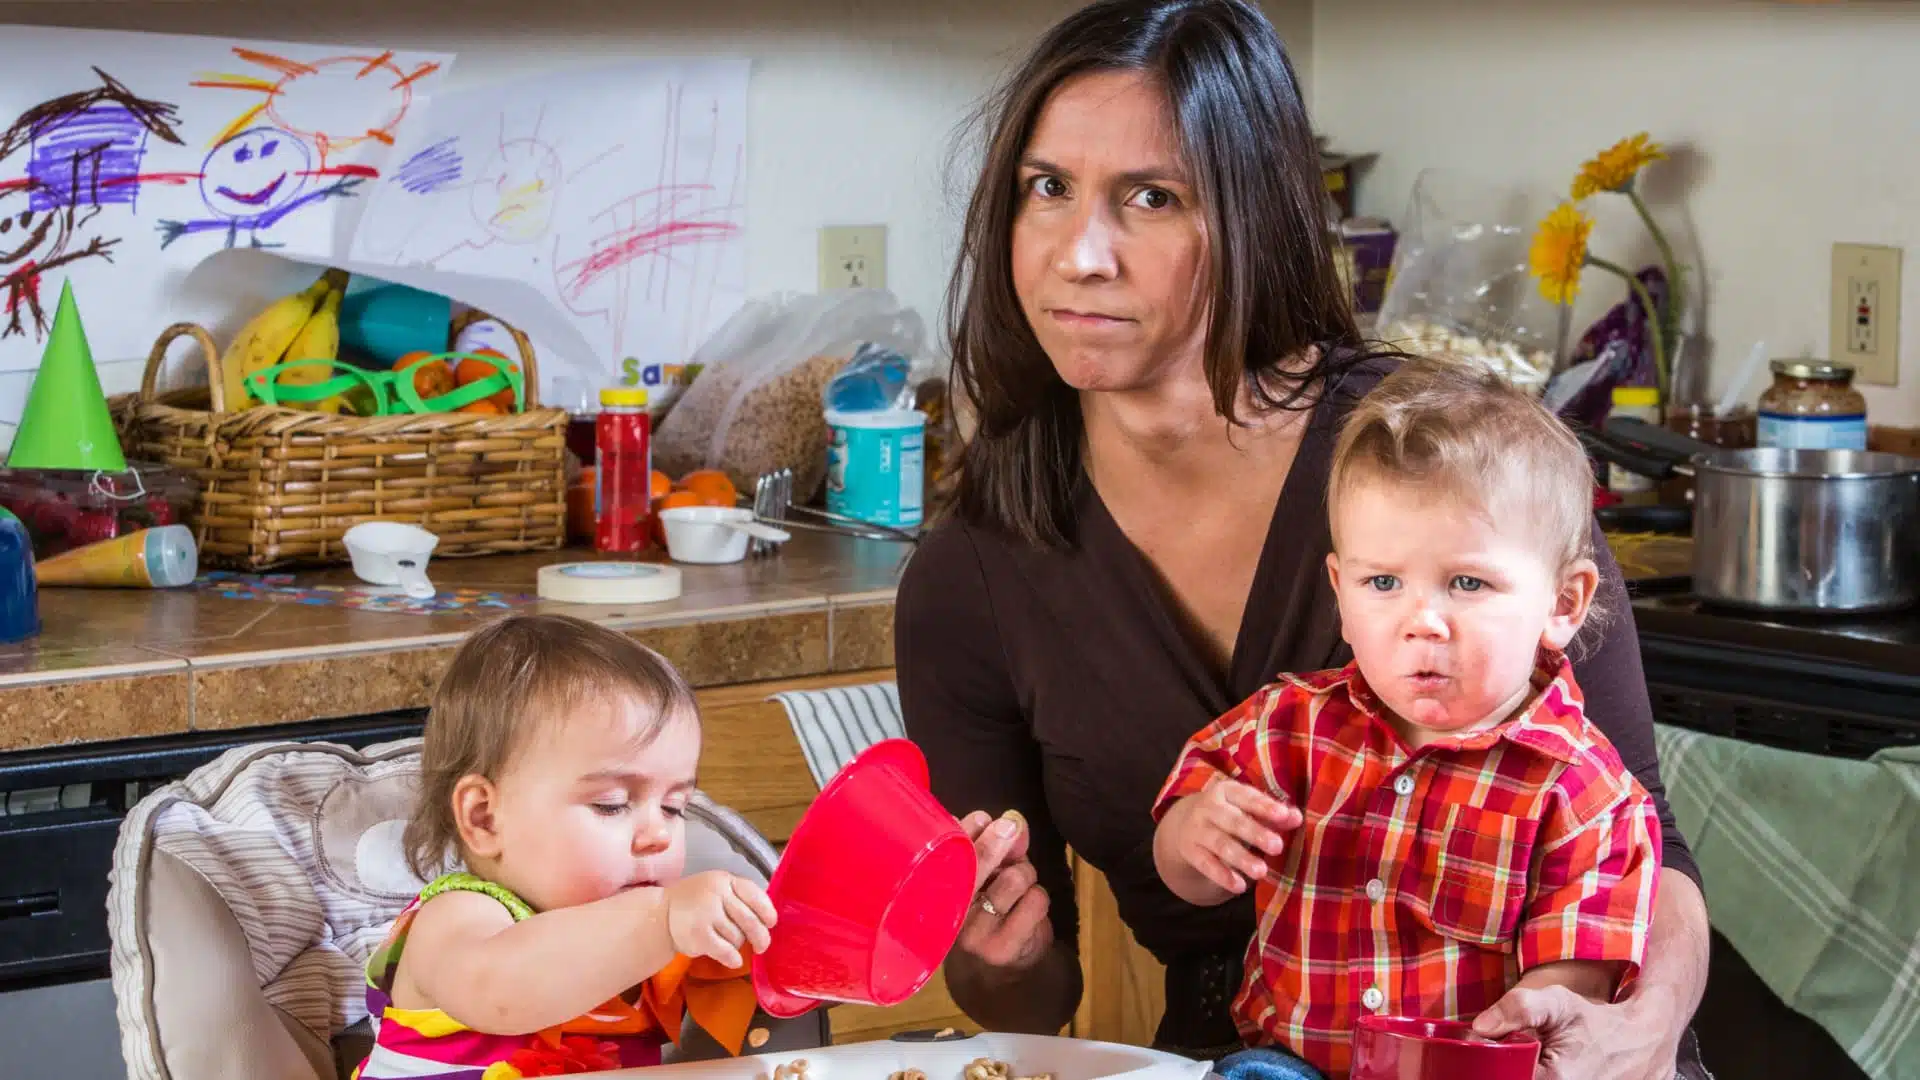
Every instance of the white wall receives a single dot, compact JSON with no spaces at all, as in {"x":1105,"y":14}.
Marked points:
{"x":852,"y":112}
{"x":1797,"y":125}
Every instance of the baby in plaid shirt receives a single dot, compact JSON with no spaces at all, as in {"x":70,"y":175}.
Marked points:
{"x":1437,"y":822}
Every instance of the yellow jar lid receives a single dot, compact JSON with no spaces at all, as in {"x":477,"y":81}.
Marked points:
{"x":624,"y":396}
{"x":1636,"y":397}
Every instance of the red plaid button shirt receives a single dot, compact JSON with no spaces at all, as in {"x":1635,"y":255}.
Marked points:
{"x":1424,"y":883}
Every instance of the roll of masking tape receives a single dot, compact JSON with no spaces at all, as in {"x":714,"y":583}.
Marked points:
{"x":609,"y":583}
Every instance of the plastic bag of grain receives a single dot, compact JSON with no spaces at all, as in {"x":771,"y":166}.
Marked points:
{"x":755,"y":406}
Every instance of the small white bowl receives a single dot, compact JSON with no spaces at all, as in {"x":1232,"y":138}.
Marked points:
{"x":713,"y":534}
{"x":392,"y":553}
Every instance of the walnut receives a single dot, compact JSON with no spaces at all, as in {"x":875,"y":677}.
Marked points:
{"x":986,"y":1069}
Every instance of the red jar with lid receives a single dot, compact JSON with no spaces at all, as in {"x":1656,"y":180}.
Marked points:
{"x":623,"y":447}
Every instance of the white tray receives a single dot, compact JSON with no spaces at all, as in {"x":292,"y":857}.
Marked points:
{"x":1028,"y":1055}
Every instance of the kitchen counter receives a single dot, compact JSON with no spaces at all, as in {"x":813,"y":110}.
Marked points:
{"x":128,"y":690}
{"x":120,"y":664}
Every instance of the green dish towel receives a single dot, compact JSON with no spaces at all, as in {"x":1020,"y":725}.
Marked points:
{"x":1813,"y":871}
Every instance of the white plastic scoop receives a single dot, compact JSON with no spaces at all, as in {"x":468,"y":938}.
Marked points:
{"x":392,"y":553}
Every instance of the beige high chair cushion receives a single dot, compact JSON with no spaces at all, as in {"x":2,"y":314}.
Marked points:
{"x":246,"y":898}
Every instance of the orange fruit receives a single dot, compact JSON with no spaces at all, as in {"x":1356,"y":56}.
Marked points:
{"x":486,"y":406}
{"x":431,"y":375}
{"x":471,"y":370}
{"x":679,"y":498}
{"x":712,"y":486}
{"x":661,"y":485}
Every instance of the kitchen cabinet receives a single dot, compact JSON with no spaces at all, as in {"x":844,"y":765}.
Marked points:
{"x":1125,"y":987}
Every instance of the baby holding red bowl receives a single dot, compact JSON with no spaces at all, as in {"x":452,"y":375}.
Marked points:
{"x":1438,"y":822}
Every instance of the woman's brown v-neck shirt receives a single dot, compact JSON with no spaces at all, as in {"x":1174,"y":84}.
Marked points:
{"x":1062,"y":686}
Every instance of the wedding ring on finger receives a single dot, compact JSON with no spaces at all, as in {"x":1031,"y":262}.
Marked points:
{"x":986,"y":905}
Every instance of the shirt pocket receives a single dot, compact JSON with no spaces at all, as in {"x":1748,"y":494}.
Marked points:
{"x":1476,"y":868}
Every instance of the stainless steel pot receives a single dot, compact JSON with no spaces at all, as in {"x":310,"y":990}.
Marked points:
{"x":1788,"y":530}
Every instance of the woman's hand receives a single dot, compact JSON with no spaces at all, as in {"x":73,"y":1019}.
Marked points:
{"x":1213,"y":844}
{"x":716,"y":915}
{"x":1007,"y":929}
{"x":1581,"y":1039}
{"x":1638,"y":1037}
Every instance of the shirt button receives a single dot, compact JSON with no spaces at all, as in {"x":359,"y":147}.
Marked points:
{"x":1376,"y":890}
{"x":1403,"y":784}
{"x":1372,"y":998}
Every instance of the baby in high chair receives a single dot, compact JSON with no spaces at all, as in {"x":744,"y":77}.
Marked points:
{"x":558,"y":761}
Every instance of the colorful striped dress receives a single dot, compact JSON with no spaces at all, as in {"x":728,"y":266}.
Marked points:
{"x":427,"y":1044}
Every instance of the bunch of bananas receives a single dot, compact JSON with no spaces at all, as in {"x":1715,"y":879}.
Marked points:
{"x":302,"y":326}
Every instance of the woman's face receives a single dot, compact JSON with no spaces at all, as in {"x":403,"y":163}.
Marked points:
{"x":1109,"y":245}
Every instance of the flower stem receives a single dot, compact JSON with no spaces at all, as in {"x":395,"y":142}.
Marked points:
{"x":1670,"y":323}
{"x":1653,"y":319}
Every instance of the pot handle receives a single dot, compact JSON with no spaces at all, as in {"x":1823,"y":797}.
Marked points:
{"x":1614,"y":451}
{"x":1655,"y":438}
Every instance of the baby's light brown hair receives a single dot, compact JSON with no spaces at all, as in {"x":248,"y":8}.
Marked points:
{"x":506,"y":680}
{"x":1468,"y":434}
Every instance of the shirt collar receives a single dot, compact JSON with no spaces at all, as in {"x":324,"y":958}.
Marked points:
{"x":1551,"y":721}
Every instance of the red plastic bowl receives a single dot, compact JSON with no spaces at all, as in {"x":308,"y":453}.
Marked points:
{"x":1409,"y":1048}
{"x":870,"y":891}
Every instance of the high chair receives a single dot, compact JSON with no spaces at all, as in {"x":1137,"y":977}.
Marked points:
{"x":246,"y":898}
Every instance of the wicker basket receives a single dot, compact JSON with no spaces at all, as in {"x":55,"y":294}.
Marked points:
{"x":281,"y":487}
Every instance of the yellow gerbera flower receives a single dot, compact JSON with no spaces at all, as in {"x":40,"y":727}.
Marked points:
{"x":1615,"y":167}
{"x":1559,"y":252}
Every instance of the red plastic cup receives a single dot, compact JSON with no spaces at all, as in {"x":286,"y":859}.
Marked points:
{"x":1409,"y":1048}
{"x":870,"y":891}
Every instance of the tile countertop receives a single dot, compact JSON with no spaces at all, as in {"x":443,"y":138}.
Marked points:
{"x":116,"y":664}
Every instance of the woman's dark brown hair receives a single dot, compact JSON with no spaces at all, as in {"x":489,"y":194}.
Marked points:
{"x":1248,"y":144}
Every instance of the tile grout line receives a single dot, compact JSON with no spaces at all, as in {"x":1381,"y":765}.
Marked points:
{"x":833,"y":615}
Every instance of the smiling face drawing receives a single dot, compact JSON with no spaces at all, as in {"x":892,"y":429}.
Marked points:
{"x":513,"y":198}
{"x":253,"y":172}
{"x":24,"y":231}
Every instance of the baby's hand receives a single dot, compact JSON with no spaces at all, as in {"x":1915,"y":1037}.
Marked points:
{"x":716,"y":913}
{"x":1228,"y":831}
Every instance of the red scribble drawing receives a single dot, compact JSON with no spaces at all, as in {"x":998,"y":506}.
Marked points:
{"x":309,"y":99}
{"x":649,"y":229}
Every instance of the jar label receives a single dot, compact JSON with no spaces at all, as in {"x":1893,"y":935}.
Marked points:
{"x":1788,"y":432}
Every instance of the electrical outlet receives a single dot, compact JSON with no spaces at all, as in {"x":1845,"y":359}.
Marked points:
{"x":1865,"y":330}
{"x":853,"y":257}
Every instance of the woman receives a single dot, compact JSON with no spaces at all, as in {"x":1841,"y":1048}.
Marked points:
{"x":1148,"y":321}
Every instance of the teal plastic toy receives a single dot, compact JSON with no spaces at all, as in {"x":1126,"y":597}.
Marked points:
{"x":392,"y":393}
{"x":388,"y":321}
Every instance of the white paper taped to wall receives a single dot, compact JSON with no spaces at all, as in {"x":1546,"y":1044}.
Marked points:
{"x":600,"y":211}
{"x":131,"y":158}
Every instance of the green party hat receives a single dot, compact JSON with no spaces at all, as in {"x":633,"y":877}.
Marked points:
{"x":66,"y":424}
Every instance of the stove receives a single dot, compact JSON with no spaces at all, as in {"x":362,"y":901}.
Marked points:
{"x":1841,"y":685}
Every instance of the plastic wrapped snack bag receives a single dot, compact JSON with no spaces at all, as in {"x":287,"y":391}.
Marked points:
{"x":1460,"y":289}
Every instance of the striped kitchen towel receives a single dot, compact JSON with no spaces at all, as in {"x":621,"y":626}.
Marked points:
{"x":837,"y":723}
{"x":1824,"y":856}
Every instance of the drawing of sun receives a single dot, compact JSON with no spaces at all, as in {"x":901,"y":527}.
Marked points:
{"x":334,"y":104}
{"x":514,"y":196}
